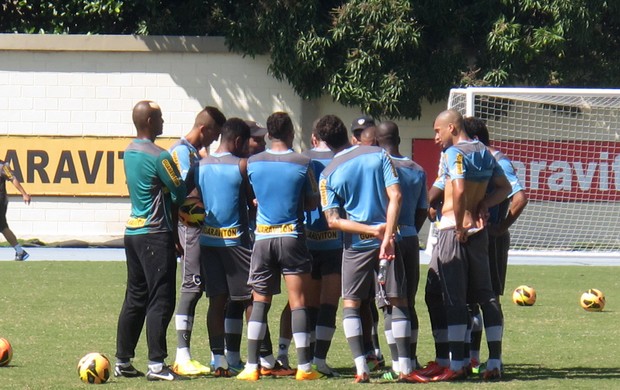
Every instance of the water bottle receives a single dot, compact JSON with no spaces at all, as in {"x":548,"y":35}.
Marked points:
{"x":382,"y":275}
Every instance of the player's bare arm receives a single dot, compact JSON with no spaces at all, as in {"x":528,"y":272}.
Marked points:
{"x":517,"y":204}
{"x":393,"y":211}
{"x":501,"y":190}
{"x":334,"y":221}
{"x":18,"y":185}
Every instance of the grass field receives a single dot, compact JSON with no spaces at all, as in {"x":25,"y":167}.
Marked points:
{"x":55,"y":312}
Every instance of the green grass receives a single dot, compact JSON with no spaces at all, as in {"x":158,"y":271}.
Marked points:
{"x":55,"y":312}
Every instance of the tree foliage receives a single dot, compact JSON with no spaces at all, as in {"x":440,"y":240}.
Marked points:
{"x":386,"y":56}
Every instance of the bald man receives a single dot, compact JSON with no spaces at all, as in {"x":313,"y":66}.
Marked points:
{"x":461,"y":253}
{"x":155,"y":185}
{"x":368,"y":136}
{"x":412,"y":179}
{"x":206,"y":129}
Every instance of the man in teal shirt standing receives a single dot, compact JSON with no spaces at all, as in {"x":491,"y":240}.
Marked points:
{"x":155,"y":185}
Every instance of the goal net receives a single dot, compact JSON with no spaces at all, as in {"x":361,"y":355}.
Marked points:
{"x":564,"y":144}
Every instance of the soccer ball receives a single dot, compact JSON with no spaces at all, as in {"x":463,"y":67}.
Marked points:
{"x":593,"y":300}
{"x":192,"y":212}
{"x":94,"y":368}
{"x":6,"y":352}
{"x":524,"y":296}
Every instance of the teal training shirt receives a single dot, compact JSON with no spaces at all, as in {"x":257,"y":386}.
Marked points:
{"x":154,"y":183}
{"x":356,"y":181}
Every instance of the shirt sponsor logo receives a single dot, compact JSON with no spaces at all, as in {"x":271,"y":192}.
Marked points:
{"x":366,"y":236}
{"x":220,"y":232}
{"x":276,"y":229}
{"x":136,"y":222}
{"x":323,"y":192}
{"x":173,"y":176}
{"x":322,"y":236}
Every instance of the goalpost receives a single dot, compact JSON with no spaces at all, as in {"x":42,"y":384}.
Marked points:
{"x":565,"y":146}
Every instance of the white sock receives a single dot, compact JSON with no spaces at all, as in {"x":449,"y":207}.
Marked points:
{"x":183,"y":355}
{"x":19,"y":249}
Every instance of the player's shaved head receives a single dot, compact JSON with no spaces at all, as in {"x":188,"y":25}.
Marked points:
{"x":142,"y":111}
{"x":209,"y":116}
{"x":369,"y":136}
{"x":451,"y":116}
{"x":388,"y":134}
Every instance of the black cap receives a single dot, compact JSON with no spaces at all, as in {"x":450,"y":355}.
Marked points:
{"x":362,"y":123}
{"x":256,"y":129}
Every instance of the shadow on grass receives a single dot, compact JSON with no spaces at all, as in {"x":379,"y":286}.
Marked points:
{"x":527,"y":372}
{"x":533,"y":372}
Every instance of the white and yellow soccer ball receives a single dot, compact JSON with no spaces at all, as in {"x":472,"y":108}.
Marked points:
{"x":593,"y":300}
{"x":192,"y":212}
{"x":524,"y":296}
{"x":94,"y":368}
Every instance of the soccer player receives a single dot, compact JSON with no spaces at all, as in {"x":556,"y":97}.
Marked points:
{"x":369,"y":136}
{"x":412,"y":179}
{"x":362,"y":182}
{"x":257,"y":142}
{"x":462,"y":248}
{"x":501,"y":218}
{"x":284,"y":186}
{"x":326,"y":248}
{"x":154,"y":184}
{"x":7,"y":175}
{"x":222,"y":182}
{"x":358,"y":126}
{"x":205,"y":130}
{"x":363,"y":133}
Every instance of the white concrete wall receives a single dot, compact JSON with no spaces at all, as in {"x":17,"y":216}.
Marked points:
{"x":87,"y":85}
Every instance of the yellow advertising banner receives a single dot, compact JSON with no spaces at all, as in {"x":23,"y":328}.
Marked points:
{"x":69,"y":166}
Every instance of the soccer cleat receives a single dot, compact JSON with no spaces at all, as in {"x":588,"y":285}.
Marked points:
{"x":21,"y":256}
{"x":166,"y":374}
{"x":449,"y":375}
{"x":492,"y":375}
{"x":190,"y":368}
{"x":372,"y":362}
{"x":235,"y":369}
{"x":311,"y":375}
{"x":277,"y":370}
{"x":363,"y":378}
{"x":390,"y":375}
{"x":327,"y":371}
{"x":248,"y":374}
{"x":413,"y":377}
{"x":381,"y":361}
{"x":474,"y":366}
{"x":128,"y":371}
{"x":222,"y":373}
{"x":283,"y":360}
{"x":430,"y":370}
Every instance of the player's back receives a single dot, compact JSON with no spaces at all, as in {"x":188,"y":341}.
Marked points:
{"x":224,"y":199}
{"x":150,"y":203}
{"x":320,"y":237}
{"x":356,"y":177}
{"x":184,"y":155}
{"x":412,"y":179}
{"x":280,"y":183}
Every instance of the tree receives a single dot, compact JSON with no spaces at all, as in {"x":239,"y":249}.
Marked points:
{"x":385,"y":56}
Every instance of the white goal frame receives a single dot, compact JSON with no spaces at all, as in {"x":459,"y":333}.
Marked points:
{"x":565,"y":145}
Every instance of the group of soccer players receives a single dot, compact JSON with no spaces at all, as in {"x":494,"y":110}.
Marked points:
{"x":265,"y":215}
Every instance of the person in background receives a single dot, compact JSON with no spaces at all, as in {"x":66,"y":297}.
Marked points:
{"x":7,"y":175}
